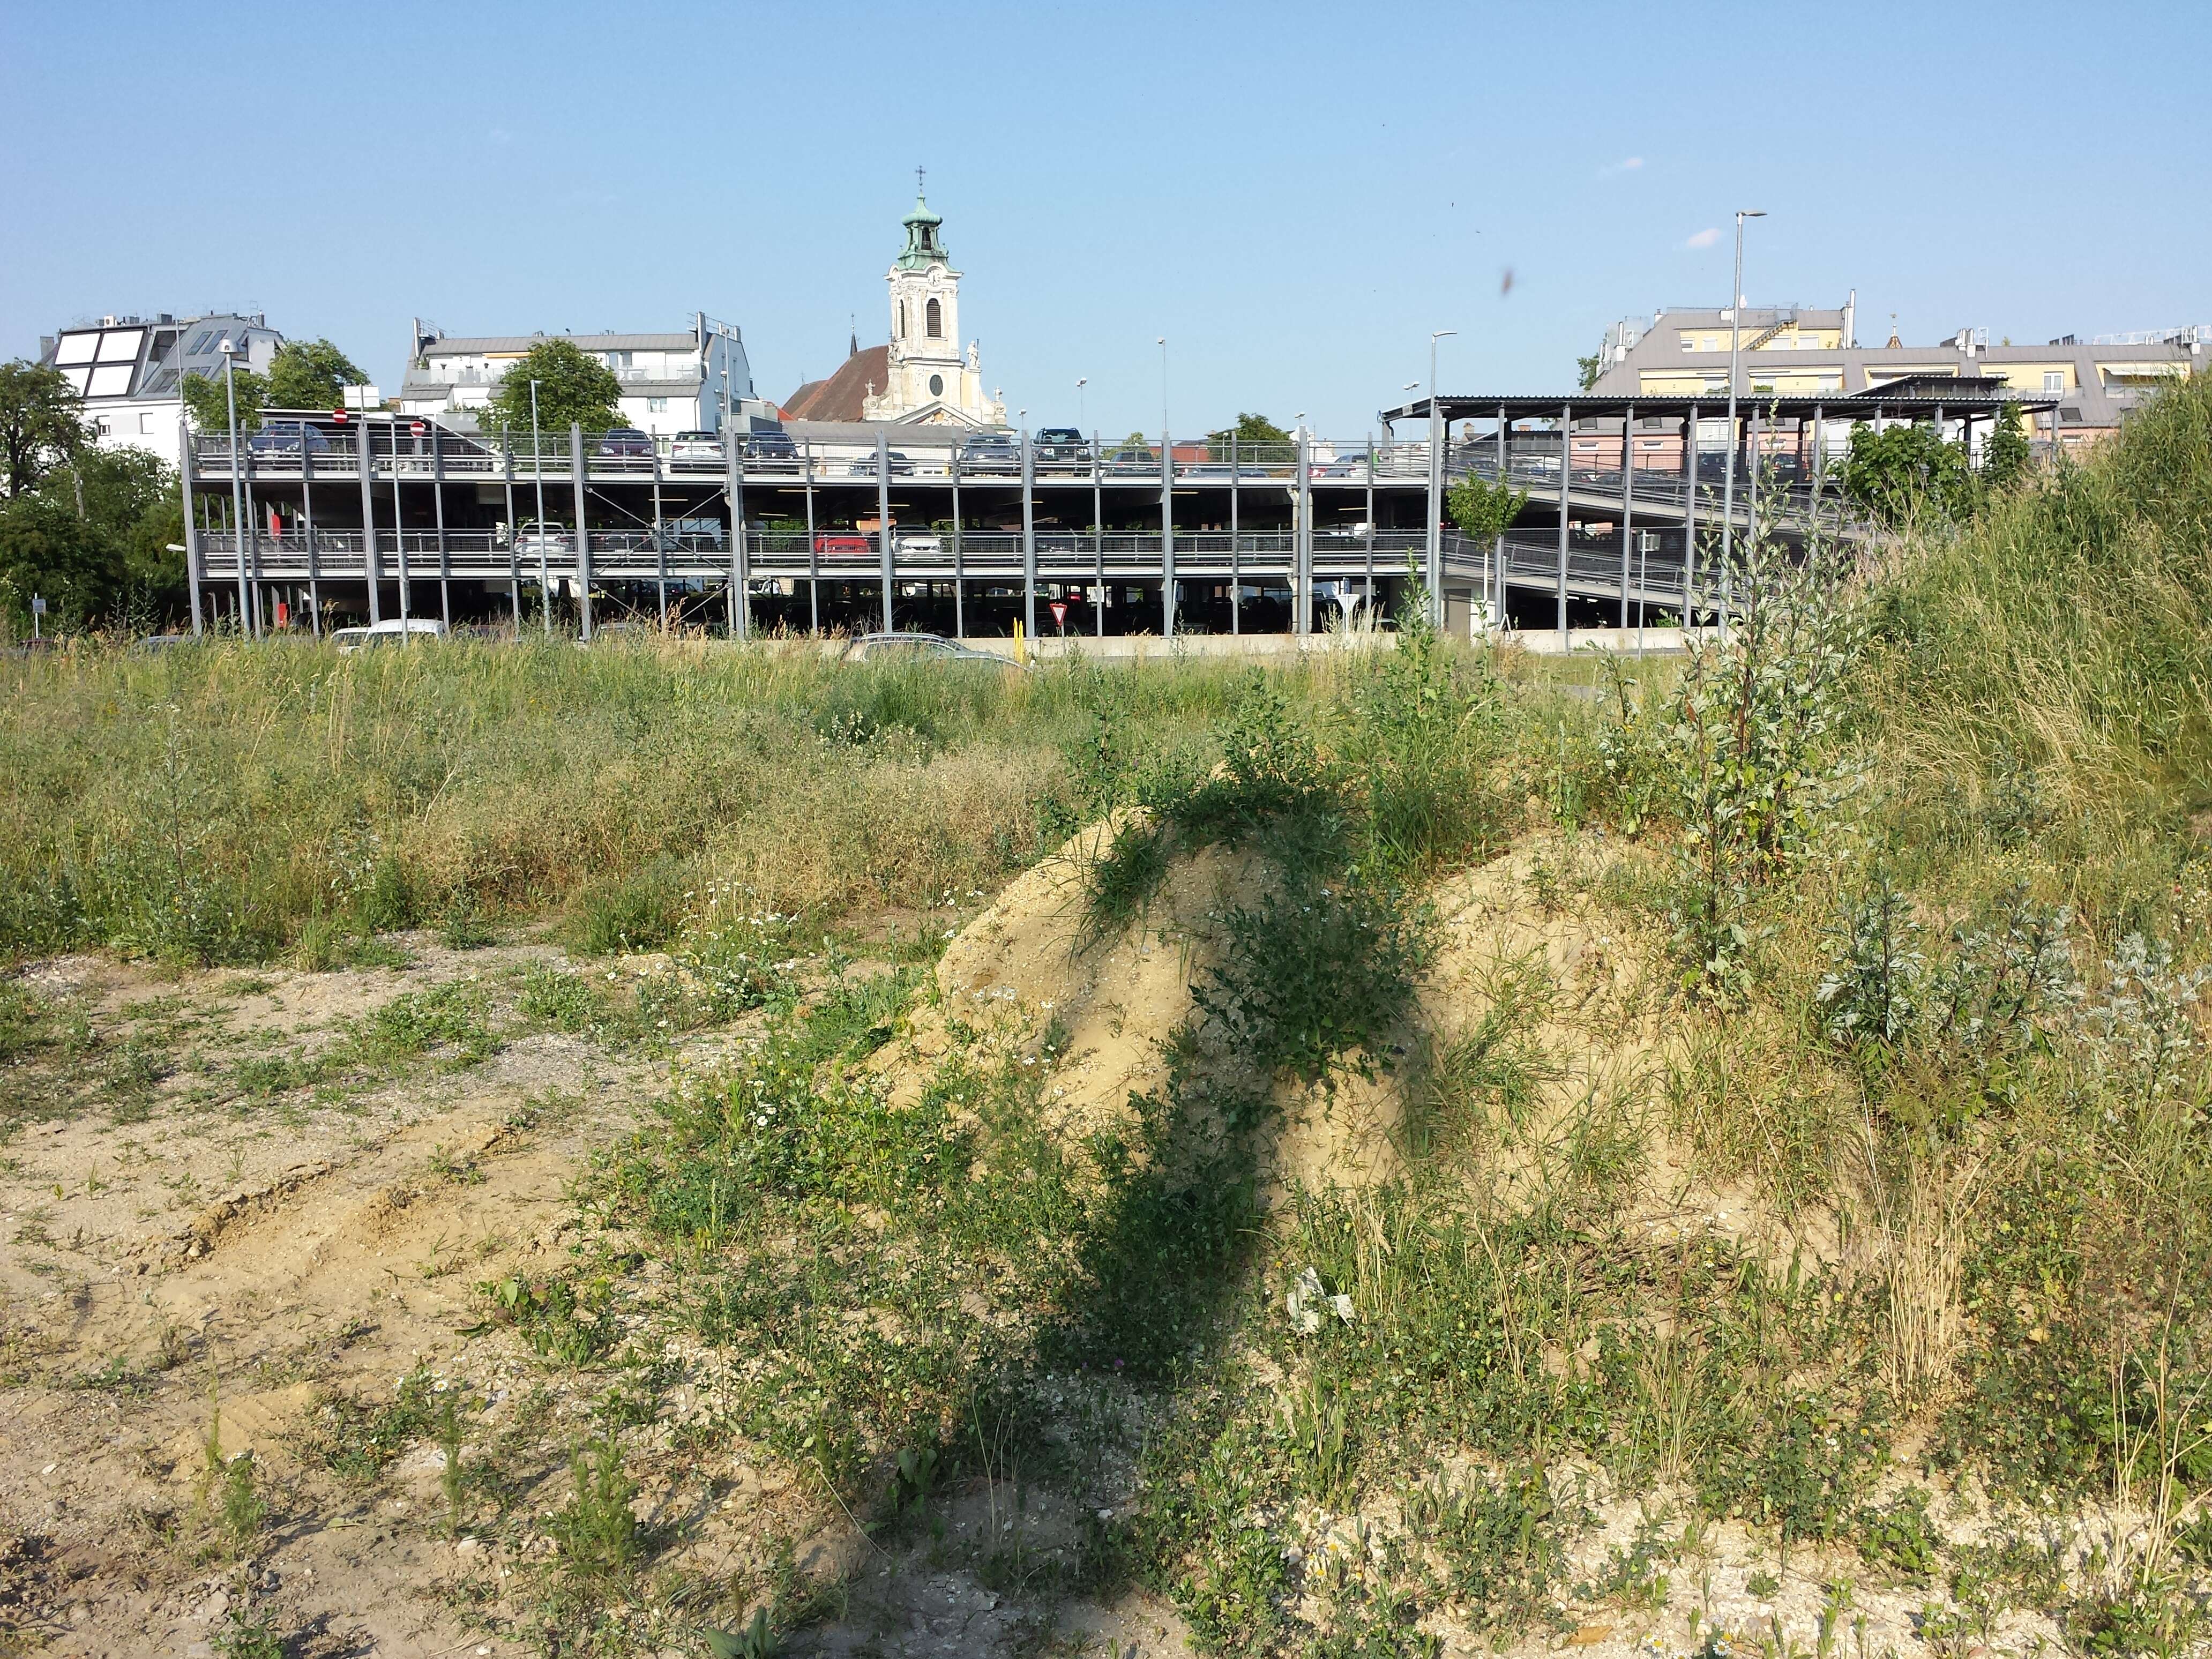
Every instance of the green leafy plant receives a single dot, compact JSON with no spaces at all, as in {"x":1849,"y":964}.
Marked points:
{"x":597,"y":1532}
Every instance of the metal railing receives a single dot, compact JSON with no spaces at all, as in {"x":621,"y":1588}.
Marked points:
{"x":341,"y":555}
{"x":394,"y":449}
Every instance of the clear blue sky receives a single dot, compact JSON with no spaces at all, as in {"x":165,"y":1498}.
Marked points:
{"x":1294,"y":195}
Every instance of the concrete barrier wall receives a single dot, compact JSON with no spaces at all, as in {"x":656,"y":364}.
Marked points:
{"x":1143,"y":648}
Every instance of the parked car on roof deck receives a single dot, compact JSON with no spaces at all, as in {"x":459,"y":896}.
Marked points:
{"x":897,"y":465}
{"x":695,"y":446}
{"x":287,"y":438}
{"x":623,"y":443}
{"x":989,"y":450}
{"x":1058,"y":443}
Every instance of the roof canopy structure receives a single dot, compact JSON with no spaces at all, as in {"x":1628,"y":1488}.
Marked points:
{"x":1912,"y":399}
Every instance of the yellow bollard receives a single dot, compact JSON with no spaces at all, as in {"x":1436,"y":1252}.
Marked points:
{"x":1021,"y":646}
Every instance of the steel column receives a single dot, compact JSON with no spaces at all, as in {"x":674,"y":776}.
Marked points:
{"x":192,"y":530}
{"x":1627,"y":504}
{"x":438,"y":492}
{"x":1689,"y":511}
{"x":1371,"y":523}
{"x":1434,"y":578}
{"x":372,"y":561}
{"x":1302,"y":617}
{"x":1167,"y":537}
{"x":583,"y":532}
{"x":1098,"y":536}
{"x":1566,"y":478}
{"x":514,"y":570}
{"x":813,"y":552}
{"x":884,"y":525}
{"x":1029,"y":541}
{"x":659,"y":542}
{"x":738,"y":619}
{"x":251,"y":526}
{"x":1819,"y":457}
{"x":307,"y":520}
{"x":1236,"y":564}
{"x":959,"y":557}
{"x":1498,"y":542}
{"x":399,"y":536}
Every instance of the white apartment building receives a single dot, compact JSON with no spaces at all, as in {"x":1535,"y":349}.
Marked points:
{"x":673,"y":382}
{"x":130,"y":370}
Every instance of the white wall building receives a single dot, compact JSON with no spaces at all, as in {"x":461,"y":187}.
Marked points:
{"x":669,"y":383}
{"x":130,"y":370}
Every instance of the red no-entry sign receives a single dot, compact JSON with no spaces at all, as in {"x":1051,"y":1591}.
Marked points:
{"x":339,"y":416}
{"x":417,"y":429}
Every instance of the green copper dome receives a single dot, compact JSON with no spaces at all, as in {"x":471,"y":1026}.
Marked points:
{"x":923,"y":246}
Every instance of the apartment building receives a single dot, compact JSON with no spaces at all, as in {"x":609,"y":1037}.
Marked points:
{"x":1805,"y":351}
{"x":130,"y":370}
{"x":671,"y":382}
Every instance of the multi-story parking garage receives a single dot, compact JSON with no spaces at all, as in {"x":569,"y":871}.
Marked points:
{"x":314,"y":520}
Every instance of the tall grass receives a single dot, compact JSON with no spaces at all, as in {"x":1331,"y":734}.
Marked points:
{"x":2047,"y":665}
{"x":208,"y":804}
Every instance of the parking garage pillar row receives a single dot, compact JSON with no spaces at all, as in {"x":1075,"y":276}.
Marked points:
{"x":1167,"y":538}
{"x":883,"y":524}
{"x":1566,"y":489}
{"x":372,"y":562}
{"x":741,"y":557}
{"x":1029,"y":539}
{"x":192,"y":530}
{"x":583,"y":533}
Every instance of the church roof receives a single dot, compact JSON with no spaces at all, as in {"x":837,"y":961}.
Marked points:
{"x":838,"y":398}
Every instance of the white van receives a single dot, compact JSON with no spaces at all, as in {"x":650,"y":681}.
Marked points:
{"x":395,"y":632}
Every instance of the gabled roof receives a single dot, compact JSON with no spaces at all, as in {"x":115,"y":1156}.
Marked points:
{"x":838,"y":398}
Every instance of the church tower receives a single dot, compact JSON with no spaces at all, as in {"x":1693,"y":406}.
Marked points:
{"x":930,"y":380}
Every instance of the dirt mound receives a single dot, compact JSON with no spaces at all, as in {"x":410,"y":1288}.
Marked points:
{"x":1108,"y":1013}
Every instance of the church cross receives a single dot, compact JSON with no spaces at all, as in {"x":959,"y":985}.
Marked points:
{"x":917,"y":182}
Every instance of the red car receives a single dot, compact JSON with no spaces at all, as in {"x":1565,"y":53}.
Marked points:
{"x":846,"y":544}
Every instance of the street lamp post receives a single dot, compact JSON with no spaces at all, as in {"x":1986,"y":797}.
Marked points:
{"x":1163,"y":343}
{"x":538,"y":472}
{"x":1735,"y":340}
{"x":246,"y":619}
{"x":1082,"y":405}
{"x":1435,"y":487}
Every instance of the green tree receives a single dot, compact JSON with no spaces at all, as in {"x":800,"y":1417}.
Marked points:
{"x":311,"y":374}
{"x":1909,"y":472}
{"x":1250,"y":429}
{"x":207,"y":404}
{"x":49,"y":548}
{"x":572,"y":386}
{"x":1483,"y":510}
{"x":93,"y":538}
{"x":2006,"y":458}
{"x":41,"y":423}
{"x":1586,"y":369}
